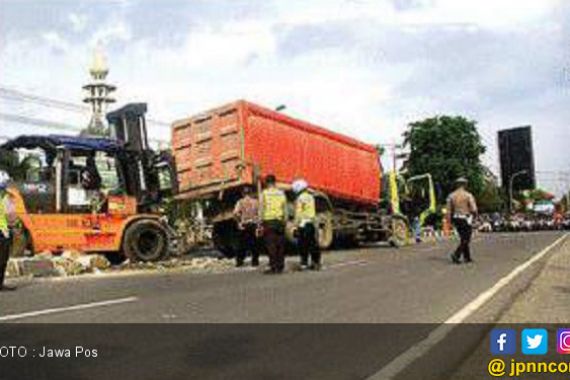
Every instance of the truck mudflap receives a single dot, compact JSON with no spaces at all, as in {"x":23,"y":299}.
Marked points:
{"x":174,"y":246}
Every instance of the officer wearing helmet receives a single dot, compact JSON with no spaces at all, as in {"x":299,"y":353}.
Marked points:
{"x":462,"y":208}
{"x":306,"y":225}
{"x":7,"y":221}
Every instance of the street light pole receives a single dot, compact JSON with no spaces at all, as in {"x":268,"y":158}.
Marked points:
{"x":511,"y":188}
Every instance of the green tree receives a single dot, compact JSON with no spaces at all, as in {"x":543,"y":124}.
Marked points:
{"x":10,"y":164}
{"x":491,"y":198}
{"x":448,"y":147}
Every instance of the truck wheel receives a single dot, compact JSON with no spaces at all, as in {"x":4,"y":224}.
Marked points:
{"x":325,"y":229}
{"x":145,"y":240}
{"x":224,"y":237}
{"x":400,"y":232}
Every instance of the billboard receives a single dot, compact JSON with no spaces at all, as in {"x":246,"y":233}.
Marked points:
{"x":516,"y":155}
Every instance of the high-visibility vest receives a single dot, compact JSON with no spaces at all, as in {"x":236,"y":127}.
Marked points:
{"x":273,"y":204}
{"x":305,"y":209}
{"x":4,"y":214}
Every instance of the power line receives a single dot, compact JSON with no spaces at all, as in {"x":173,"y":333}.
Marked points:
{"x":49,"y":124}
{"x":17,"y":95}
{"x":38,"y":122}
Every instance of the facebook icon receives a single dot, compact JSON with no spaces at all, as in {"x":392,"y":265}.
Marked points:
{"x":503,"y":342}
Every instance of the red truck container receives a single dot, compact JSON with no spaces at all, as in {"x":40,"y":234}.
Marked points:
{"x":223,"y":147}
{"x":219,"y":151}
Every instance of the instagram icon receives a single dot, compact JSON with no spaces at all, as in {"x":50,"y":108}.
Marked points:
{"x":563,"y":341}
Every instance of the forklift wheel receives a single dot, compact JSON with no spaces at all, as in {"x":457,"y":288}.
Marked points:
{"x":145,"y":240}
{"x":115,"y":258}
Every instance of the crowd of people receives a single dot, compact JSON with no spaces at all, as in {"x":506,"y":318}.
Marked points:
{"x":521,"y":222}
{"x":262,"y":222}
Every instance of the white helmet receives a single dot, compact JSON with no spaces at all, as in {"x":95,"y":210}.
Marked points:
{"x":4,"y":179}
{"x":299,"y":185}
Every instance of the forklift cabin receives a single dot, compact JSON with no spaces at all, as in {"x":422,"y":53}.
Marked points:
{"x":92,"y":194}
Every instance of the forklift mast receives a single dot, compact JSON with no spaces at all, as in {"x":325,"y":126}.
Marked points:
{"x":128,"y":124}
{"x":142,"y":165}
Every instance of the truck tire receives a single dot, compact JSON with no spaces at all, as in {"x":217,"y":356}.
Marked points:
{"x":224,"y":238}
{"x":145,"y":240}
{"x":400,"y":232}
{"x":325,"y":229}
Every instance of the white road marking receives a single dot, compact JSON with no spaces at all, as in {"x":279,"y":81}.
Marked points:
{"x":348,"y":263}
{"x":396,"y":366}
{"x":84,"y":306}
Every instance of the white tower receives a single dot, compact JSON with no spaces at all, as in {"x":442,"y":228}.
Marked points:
{"x":98,"y":92}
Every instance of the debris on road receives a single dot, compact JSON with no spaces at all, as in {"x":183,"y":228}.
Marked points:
{"x":74,"y":263}
{"x":198,"y":264}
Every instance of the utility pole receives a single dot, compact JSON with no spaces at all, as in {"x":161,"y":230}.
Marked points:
{"x":394,"y":147}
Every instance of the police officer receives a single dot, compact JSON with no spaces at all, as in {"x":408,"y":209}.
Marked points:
{"x":246,"y":213}
{"x":462,"y":208}
{"x":7,"y":220}
{"x":274,"y":216}
{"x":305,"y":224}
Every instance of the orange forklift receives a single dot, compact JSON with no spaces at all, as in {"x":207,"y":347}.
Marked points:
{"x":94,"y":194}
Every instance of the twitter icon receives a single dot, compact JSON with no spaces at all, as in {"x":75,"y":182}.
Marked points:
{"x":534,"y":341}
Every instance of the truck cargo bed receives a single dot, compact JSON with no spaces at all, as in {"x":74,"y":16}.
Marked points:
{"x":223,"y":148}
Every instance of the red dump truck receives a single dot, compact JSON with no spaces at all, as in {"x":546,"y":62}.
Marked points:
{"x":219,"y":151}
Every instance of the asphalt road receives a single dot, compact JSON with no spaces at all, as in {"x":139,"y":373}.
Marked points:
{"x":374,"y":286}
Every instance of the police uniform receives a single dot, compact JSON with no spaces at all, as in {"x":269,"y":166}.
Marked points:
{"x":247,"y":214}
{"x":305,"y":221}
{"x":462,"y":207}
{"x":6,"y":214}
{"x":273,"y":216}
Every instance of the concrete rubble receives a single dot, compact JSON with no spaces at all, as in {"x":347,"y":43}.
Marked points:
{"x":74,"y":263}
{"x":44,"y":264}
{"x":198,"y":264}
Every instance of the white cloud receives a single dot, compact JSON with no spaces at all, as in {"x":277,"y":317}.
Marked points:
{"x":78,"y":21}
{"x":483,"y":13}
{"x":227,"y":47}
{"x":55,"y":41}
{"x":486,"y":13}
{"x":114,"y":30}
{"x":359,"y":85}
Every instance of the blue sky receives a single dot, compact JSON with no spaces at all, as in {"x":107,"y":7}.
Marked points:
{"x":363,"y":68}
